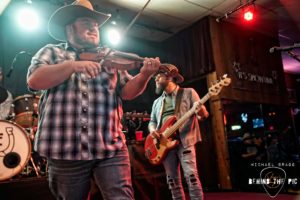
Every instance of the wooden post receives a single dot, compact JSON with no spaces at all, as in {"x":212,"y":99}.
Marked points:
{"x":219,"y":137}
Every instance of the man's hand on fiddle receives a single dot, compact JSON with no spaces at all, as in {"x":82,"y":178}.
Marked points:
{"x":89,"y":68}
{"x":150,"y":66}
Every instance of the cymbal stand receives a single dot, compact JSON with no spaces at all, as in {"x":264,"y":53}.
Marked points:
{"x":36,"y":170}
{"x":35,"y":167}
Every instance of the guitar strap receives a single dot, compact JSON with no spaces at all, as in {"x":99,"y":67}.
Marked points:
{"x":178,"y":100}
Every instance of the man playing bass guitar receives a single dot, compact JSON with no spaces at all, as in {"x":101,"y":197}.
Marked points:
{"x":176,"y":102}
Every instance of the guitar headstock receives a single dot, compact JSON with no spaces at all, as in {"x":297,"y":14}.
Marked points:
{"x":216,"y":88}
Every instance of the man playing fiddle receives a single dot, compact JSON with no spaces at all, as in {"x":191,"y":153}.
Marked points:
{"x":80,"y":109}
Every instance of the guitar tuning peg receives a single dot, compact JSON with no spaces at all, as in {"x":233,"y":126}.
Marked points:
{"x":223,"y":77}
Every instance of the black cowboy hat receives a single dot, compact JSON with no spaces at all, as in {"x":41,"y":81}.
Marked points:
{"x":67,"y":14}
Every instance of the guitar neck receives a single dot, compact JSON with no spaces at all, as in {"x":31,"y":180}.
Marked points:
{"x":169,"y":132}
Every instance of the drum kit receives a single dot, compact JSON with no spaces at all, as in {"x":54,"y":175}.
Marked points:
{"x":18,"y":124}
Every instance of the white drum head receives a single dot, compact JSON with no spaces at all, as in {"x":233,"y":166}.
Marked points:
{"x":15,"y":149}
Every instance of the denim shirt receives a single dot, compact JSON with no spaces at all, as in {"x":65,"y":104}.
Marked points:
{"x":189,"y":132}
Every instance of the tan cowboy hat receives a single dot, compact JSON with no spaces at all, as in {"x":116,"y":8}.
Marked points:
{"x":171,"y":71}
{"x":67,"y":14}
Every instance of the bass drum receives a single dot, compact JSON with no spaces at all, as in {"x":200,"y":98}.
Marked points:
{"x":6,"y":101}
{"x":15,"y":149}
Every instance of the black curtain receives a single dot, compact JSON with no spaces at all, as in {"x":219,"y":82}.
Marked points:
{"x":191,"y":50}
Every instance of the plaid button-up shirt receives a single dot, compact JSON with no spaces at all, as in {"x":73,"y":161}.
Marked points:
{"x":78,"y":119}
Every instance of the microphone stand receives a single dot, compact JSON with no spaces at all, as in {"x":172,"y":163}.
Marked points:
{"x":13,"y":62}
{"x":12,"y":66}
{"x":293,"y":55}
{"x":285,"y":48}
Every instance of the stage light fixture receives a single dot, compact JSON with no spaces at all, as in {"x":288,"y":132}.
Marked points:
{"x":248,"y":15}
{"x":113,"y":36}
{"x":3,"y":5}
{"x":28,"y":19}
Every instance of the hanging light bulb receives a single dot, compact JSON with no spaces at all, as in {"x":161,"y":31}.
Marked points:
{"x":248,"y":13}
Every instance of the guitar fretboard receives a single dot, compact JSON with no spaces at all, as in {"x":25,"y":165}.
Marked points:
{"x":168,"y":132}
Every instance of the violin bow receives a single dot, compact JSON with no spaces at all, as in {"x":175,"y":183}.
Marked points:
{"x":125,"y":32}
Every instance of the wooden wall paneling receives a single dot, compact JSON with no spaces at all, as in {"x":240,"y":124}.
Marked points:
{"x":243,"y":53}
{"x":219,"y":138}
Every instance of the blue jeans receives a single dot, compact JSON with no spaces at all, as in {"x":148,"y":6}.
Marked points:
{"x":186,"y":157}
{"x":70,"y":180}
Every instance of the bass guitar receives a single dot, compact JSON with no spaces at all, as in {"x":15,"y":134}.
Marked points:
{"x":156,"y":149}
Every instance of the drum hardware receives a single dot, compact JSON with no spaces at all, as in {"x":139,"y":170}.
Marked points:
{"x":31,"y":133}
{"x":34,"y":115}
{"x":12,"y":115}
{"x":36,"y":167}
{"x":40,"y":164}
{"x":37,"y":164}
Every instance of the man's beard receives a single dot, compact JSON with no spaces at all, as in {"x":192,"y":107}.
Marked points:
{"x":82,"y":41}
{"x":86,"y":43}
{"x":160,"y":88}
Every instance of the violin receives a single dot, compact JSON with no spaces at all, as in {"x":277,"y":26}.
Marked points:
{"x":115,"y":59}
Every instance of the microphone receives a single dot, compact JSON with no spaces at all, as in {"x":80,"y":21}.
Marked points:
{"x":285,"y":48}
{"x":14,"y":60}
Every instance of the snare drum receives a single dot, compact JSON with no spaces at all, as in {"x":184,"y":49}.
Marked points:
{"x":5,"y":103}
{"x":26,"y":110}
{"x":15,"y":149}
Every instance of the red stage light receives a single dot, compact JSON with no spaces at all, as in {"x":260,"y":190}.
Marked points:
{"x":248,"y":15}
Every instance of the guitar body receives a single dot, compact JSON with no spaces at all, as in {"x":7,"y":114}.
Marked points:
{"x":157,"y":149}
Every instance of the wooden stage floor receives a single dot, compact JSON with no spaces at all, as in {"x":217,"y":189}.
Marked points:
{"x":37,"y":189}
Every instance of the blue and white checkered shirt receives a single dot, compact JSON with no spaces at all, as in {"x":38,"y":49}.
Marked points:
{"x":78,"y":119}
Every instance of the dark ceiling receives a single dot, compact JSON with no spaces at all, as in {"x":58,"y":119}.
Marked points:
{"x":163,"y":18}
